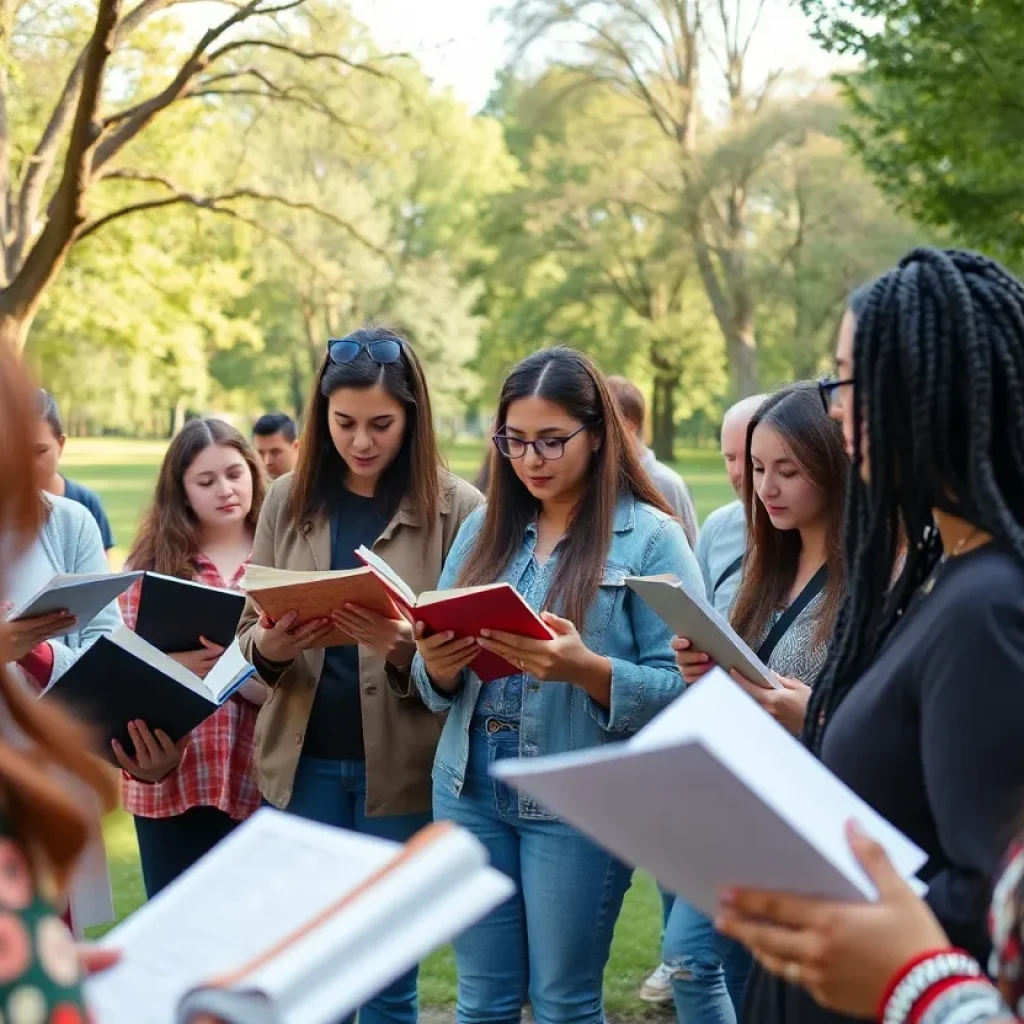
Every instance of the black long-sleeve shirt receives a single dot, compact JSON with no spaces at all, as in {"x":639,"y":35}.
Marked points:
{"x":932,"y":736}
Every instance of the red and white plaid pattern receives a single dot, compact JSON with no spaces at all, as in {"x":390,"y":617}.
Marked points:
{"x":217,"y":769}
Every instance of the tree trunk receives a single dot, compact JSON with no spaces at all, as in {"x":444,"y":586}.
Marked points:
{"x":14,"y":330}
{"x":297,"y":389}
{"x":741,"y":350}
{"x":663,"y":416}
{"x":178,"y":417}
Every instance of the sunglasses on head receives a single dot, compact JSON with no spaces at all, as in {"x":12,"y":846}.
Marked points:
{"x":383,"y":350}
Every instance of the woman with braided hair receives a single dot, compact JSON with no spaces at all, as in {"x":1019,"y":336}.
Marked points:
{"x":920,"y":705}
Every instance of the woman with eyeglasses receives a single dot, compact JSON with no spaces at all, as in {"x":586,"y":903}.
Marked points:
{"x":920,"y":705}
{"x":344,"y":738}
{"x":571,"y":514}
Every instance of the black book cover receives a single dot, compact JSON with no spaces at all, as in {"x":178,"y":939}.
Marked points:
{"x":174,"y":614}
{"x":108,"y":687}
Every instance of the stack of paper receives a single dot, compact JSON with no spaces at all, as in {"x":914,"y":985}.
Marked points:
{"x":715,"y":794}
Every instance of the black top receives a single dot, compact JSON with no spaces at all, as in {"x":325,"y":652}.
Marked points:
{"x":335,"y":729}
{"x":91,"y":500}
{"x":931,"y":737}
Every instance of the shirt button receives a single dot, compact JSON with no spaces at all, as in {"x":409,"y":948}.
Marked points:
{"x":298,"y":737}
{"x":371,"y":690}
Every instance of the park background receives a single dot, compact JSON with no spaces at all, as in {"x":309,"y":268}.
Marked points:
{"x":196,"y":194}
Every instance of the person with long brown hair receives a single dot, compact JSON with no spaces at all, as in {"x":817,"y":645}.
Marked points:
{"x":345,"y":738}
{"x":793,"y":581}
{"x":186,"y":797}
{"x":571,"y":513}
{"x":44,"y":822}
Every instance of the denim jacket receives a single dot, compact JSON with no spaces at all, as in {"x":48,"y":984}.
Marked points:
{"x":558,"y":717}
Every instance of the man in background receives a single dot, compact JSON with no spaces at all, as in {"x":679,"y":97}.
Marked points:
{"x":720,"y":550}
{"x":723,"y":540}
{"x":634,"y":411}
{"x":277,"y":443}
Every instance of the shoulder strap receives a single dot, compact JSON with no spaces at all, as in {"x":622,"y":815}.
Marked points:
{"x":730,"y":570}
{"x":815,"y":585}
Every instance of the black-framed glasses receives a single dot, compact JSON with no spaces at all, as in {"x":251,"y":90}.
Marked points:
{"x":830,"y":390}
{"x":346,"y":350}
{"x":548,"y":448}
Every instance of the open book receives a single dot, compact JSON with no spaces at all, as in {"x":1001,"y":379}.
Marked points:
{"x":465,"y":611}
{"x":689,"y":614}
{"x":301,"y":921}
{"x":85,"y":595}
{"x":122,"y":678}
{"x":714,"y":794}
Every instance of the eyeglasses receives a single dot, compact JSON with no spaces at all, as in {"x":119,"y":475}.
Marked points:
{"x":830,"y":391}
{"x":548,"y":448}
{"x":345,"y":350}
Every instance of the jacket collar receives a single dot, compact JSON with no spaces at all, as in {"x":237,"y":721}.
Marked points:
{"x":623,"y":520}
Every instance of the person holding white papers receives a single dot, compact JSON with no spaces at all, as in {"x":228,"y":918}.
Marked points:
{"x":919,"y":708}
{"x":795,"y":478}
{"x":185,"y":798}
{"x":570,"y":515}
{"x":345,"y":738}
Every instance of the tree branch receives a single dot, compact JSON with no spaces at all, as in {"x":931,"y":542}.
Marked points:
{"x":214,"y":204}
{"x":39,"y":165}
{"x":67,"y":208}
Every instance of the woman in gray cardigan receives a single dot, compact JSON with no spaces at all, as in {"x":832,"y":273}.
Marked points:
{"x":69,"y":542}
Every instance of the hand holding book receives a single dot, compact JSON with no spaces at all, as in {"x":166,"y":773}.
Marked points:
{"x":564,"y":658}
{"x":283,"y":641}
{"x":156,"y":754}
{"x":392,"y":639}
{"x":445,"y":655}
{"x":24,"y":634}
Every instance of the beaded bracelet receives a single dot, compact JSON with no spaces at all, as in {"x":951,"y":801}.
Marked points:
{"x":920,"y":975}
{"x":965,"y":1001}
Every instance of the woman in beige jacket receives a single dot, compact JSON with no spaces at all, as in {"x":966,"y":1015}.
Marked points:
{"x":344,"y":737}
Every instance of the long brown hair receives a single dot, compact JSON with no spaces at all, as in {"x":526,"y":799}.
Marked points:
{"x":796,"y":413}
{"x":46,"y":815}
{"x":412,"y":476}
{"x":571,"y":380}
{"x":170,"y":537}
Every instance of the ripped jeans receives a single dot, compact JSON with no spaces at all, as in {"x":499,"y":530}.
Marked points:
{"x":709,"y":971}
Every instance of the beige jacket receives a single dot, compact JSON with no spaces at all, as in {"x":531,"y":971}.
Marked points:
{"x":399,"y":733}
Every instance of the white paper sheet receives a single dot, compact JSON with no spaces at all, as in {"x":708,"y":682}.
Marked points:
{"x":269,"y":877}
{"x":712,"y":794}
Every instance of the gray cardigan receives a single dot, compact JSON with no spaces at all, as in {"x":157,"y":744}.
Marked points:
{"x":71,"y":542}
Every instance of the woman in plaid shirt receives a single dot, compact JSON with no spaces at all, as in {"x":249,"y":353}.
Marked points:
{"x":185,"y":798}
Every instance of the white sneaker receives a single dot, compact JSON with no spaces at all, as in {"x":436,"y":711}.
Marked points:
{"x":658,"y":987}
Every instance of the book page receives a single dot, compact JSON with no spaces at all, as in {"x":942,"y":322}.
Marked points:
{"x":230,"y":672}
{"x":378,"y":564}
{"x":269,"y":877}
{"x":714,"y":793}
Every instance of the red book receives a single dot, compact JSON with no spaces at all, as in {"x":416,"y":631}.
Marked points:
{"x":465,"y":611}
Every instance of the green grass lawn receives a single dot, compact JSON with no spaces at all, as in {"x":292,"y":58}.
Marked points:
{"x":124,"y":473}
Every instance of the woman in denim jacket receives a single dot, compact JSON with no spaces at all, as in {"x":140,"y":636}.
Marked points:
{"x":571,"y":515}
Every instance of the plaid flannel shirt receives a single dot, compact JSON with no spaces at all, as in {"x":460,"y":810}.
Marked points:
{"x":217,"y":769}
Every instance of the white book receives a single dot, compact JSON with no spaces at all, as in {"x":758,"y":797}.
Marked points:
{"x":85,"y":595}
{"x":715,"y":794}
{"x":308,"y":920}
{"x":688,"y":614}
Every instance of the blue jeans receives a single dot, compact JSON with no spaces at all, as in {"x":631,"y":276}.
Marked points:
{"x":550,"y":942}
{"x":710,"y":971}
{"x":334,"y":792}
